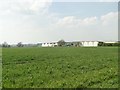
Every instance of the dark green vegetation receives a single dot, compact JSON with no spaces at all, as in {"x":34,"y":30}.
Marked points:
{"x":108,"y":44}
{"x":58,"y":67}
{"x":0,"y":68}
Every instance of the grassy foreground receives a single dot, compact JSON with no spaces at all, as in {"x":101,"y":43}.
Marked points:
{"x":71,"y":67}
{"x":0,"y":67}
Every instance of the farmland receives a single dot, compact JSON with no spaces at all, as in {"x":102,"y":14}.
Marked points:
{"x":60,"y":67}
{"x":0,"y":68}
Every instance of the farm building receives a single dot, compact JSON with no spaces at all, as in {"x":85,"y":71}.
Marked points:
{"x":89,"y":43}
{"x":77,"y":43}
{"x":80,"y":44}
{"x":83,"y":43}
{"x":51,"y":44}
{"x":110,"y":42}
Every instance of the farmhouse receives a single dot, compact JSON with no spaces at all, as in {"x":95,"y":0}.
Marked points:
{"x":89,"y":43}
{"x":50,"y":44}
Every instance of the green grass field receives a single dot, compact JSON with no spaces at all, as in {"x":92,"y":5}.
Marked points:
{"x":0,"y":68}
{"x":60,"y":67}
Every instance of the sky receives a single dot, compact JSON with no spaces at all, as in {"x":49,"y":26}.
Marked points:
{"x":34,"y":21}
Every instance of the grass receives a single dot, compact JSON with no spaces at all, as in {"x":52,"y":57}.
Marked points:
{"x":0,"y":68}
{"x":60,"y":67}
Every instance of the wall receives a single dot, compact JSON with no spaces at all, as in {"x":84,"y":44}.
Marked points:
{"x":89,"y":43}
{"x":49,"y":44}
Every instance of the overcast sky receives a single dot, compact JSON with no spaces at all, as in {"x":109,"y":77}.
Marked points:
{"x":33,"y":21}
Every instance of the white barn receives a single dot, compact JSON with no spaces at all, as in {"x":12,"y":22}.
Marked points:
{"x":51,"y":44}
{"x":89,"y":43}
{"x":110,"y":42}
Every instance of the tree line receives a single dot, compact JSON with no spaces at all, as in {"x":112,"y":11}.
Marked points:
{"x":5,"y":44}
{"x":62,"y":43}
{"x":108,"y":44}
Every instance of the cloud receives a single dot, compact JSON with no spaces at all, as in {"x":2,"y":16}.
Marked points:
{"x":37,"y":5}
{"x":24,"y":6}
{"x":109,"y":18}
{"x":73,"y":28}
{"x":67,"y":21}
{"x":72,"y":21}
{"x":43,"y":29}
{"x":89,"y":21}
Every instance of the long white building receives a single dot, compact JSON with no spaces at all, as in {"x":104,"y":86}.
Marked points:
{"x":50,"y":44}
{"x":89,"y":43}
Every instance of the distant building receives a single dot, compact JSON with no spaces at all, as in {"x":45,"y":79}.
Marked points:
{"x":75,"y":43}
{"x":83,"y":43}
{"x":50,"y":44}
{"x":89,"y":43}
{"x":110,"y":42}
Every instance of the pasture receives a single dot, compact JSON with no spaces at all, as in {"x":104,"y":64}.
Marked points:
{"x":0,"y":67}
{"x":60,"y":67}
